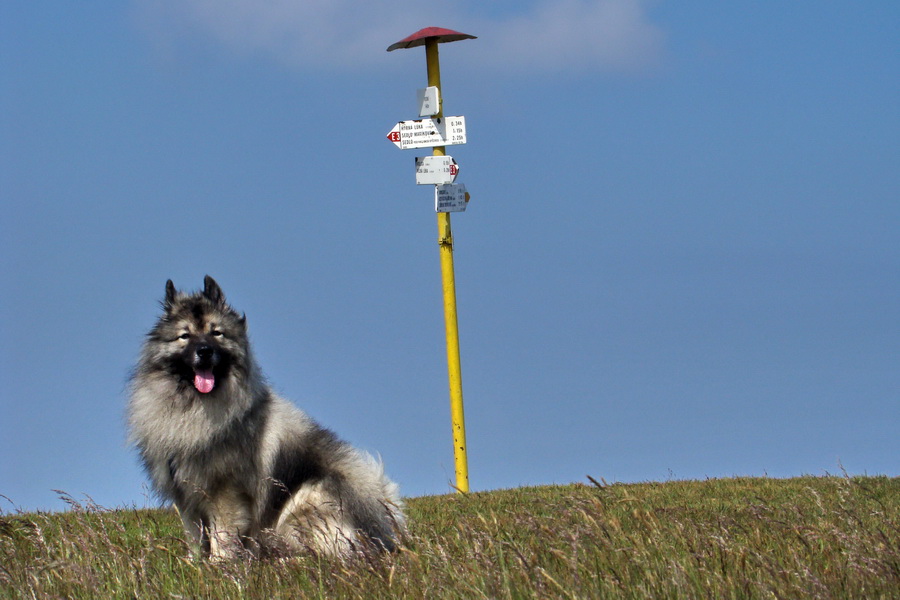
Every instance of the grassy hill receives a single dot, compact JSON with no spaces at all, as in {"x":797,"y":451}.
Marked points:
{"x":809,"y":537}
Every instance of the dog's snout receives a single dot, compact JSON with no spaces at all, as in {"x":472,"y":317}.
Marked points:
{"x":204,"y":355}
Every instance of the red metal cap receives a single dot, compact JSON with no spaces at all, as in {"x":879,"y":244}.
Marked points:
{"x":419,"y":37}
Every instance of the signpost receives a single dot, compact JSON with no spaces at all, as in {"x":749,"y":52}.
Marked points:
{"x":437,"y":133}
{"x":450,"y":197}
{"x":429,"y":101}
{"x":428,"y":133}
{"x":436,"y":170}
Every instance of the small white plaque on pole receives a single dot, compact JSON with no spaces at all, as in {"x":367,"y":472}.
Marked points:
{"x":451,"y":197}
{"x":429,"y":101}
{"x":436,"y":170}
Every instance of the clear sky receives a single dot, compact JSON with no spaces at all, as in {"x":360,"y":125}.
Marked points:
{"x":680,"y":259}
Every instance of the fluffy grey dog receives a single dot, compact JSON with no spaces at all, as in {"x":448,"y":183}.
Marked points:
{"x":246,"y":469}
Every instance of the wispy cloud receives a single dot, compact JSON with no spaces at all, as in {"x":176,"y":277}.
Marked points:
{"x":545,"y":35}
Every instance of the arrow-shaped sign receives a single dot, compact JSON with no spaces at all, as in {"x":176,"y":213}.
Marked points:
{"x":427,"y":133}
{"x":436,"y":170}
{"x":452,"y":197}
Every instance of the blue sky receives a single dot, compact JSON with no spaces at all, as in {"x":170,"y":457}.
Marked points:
{"x":680,"y":259}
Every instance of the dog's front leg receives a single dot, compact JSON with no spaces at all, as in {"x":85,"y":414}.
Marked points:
{"x":195,"y":527}
{"x":230,"y":524}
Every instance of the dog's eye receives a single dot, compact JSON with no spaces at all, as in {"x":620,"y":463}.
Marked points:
{"x":184,"y":336}
{"x":215,"y":333}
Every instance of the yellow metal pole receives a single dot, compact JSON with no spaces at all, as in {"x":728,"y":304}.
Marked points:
{"x":445,"y":242}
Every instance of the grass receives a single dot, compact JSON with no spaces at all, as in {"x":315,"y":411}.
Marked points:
{"x":809,"y":537}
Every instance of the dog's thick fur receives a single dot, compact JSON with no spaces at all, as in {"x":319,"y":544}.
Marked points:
{"x":246,"y":470}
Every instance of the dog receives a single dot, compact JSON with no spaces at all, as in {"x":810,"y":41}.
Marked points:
{"x":246,"y":470}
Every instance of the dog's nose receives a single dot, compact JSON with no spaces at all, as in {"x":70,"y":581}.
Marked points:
{"x":205,"y":352}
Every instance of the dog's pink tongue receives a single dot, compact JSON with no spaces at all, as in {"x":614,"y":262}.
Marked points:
{"x":204,"y":381}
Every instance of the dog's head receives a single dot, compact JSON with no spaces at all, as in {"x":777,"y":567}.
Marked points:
{"x":200,"y":339}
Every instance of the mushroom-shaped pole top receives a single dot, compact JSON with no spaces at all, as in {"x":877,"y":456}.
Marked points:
{"x":420,"y":37}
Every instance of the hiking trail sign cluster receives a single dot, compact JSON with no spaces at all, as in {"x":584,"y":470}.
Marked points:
{"x":435,"y":131}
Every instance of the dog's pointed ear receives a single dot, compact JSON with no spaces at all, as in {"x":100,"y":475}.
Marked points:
{"x":170,"y":295}
{"x":212,"y":290}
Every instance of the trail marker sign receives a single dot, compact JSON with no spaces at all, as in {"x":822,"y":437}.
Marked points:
{"x":428,"y":133}
{"x":429,"y":101}
{"x":436,"y":170}
{"x":451,"y":197}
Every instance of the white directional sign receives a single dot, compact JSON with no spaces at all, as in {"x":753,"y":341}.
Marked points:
{"x":451,"y":197}
{"x":429,"y":101}
{"x":427,"y":133}
{"x":436,"y":170}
